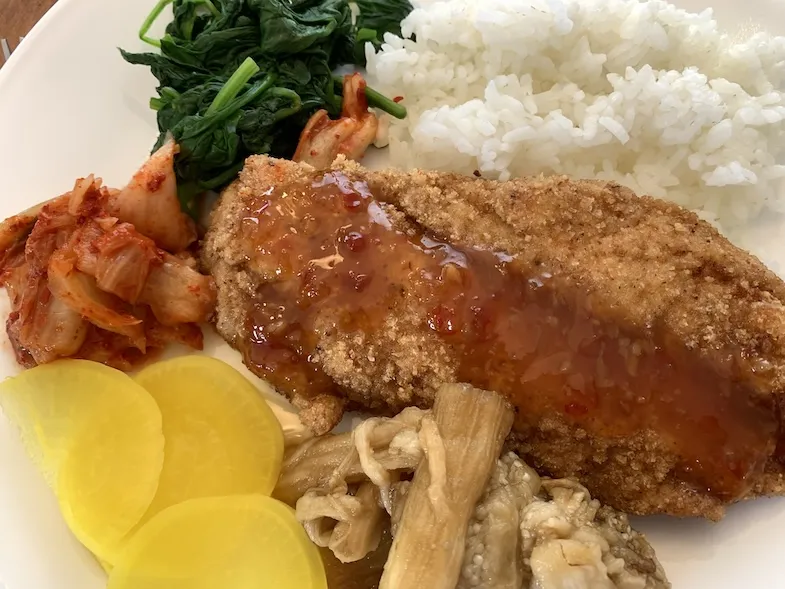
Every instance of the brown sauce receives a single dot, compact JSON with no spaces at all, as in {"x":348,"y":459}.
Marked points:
{"x":335,"y":260}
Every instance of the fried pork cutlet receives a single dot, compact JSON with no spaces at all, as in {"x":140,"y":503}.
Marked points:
{"x":644,"y":353}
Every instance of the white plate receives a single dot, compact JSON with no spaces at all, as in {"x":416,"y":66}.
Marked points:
{"x":70,"y":106}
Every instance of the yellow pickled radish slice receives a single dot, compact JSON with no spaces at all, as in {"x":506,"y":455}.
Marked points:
{"x":248,"y":541}
{"x":221,"y":436}
{"x":97,"y":437}
{"x":52,"y":403}
{"x":109,"y":477}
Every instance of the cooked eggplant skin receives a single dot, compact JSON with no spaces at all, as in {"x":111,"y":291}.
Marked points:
{"x":522,"y":531}
{"x":469,"y":428}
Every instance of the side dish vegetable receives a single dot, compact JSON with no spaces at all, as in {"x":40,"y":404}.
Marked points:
{"x":238,"y":77}
{"x":165,"y":477}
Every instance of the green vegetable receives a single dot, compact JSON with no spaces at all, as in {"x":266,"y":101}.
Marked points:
{"x":233,"y":86}
{"x":293,"y":27}
{"x":211,"y":146}
{"x":148,"y":22}
{"x":377,"y":17}
{"x":377,"y":100}
{"x":383,"y":16}
{"x":238,"y":77}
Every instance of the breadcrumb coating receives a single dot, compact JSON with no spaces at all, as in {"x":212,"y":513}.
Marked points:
{"x":635,"y":262}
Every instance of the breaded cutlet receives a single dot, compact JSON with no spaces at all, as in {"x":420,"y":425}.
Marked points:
{"x":645,"y":354}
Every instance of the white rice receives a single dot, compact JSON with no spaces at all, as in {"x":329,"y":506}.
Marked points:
{"x":638,"y":92}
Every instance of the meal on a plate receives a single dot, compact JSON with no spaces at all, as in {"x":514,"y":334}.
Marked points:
{"x":542,"y":306}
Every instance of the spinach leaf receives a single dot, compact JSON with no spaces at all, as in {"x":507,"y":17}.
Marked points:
{"x":382,"y":16}
{"x":293,"y":26}
{"x":213,"y":51}
{"x":169,"y":73}
{"x":311,"y":78}
{"x":259,"y":127}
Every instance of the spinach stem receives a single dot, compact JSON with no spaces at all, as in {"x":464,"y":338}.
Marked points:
{"x":148,"y":23}
{"x":167,"y":95}
{"x":252,"y":94}
{"x":297,"y":103}
{"x":211,"y":7}
{"x":377,"y":100}
{"x":365,"y":35}
{"x":234,"y":84}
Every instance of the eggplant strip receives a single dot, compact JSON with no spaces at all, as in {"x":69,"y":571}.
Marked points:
{"x":428,"y":547}
{"x":349,"y":525}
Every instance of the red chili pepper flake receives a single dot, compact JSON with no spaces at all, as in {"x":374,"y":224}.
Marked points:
{"x":397,"y":98}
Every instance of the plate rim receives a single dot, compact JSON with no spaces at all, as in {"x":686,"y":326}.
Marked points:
{"x":58,"y":16}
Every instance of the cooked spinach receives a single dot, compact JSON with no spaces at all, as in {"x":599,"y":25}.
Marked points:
{"x":383,"y":16}
{"x":375,"y":18}
{"x":293,"y":27}
{"x":238,"y":77}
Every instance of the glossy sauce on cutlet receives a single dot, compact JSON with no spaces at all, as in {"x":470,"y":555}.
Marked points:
{"x":336,"y":260}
